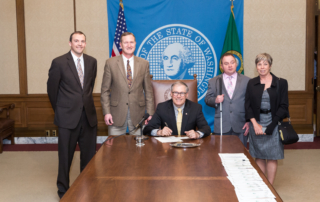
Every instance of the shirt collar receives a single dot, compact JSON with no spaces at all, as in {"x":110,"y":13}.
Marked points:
{"x":176,"y":108}
{"x":234,"y":75}
{"x":75,"y":58}
{"x":125,"y":59}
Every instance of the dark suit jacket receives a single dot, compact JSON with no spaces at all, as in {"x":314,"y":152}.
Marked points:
{"x":65,"y":93}
{"x":233,"y":111}
{"x":192,"y":118}
{"x":279,"y":102}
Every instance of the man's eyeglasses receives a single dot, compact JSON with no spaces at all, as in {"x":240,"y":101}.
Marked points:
{"x":179,"y":93}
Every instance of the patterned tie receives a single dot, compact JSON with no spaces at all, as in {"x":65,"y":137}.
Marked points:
{"x":179,"y":121}
{"x":80,"y":72}
{"x":129,"y":74}
{"x":229,"y":87}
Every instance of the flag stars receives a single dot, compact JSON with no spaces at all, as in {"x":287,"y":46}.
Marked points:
{"x":120,"y":28}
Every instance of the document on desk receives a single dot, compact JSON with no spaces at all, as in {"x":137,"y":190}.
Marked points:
{"x":171,"y":139}
{"x":248,"y":184}
{"x":255,"y":196}
{"x":232,"y":155}
{"x":257,"y":200}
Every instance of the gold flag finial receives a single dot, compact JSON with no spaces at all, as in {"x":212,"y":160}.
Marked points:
{"x":121,"y":4}
{"x":232,"y":8}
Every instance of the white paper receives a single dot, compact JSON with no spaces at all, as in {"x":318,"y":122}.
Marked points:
{"x":168,"y":139}
{"x":248,"y":184}
{"x":255,"y":194}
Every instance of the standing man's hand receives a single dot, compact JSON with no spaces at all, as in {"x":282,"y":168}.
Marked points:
{"x":147,"y":120}
{"x":246,"y":126}
{"x":219,"y":99}
{"x":108,"y":119}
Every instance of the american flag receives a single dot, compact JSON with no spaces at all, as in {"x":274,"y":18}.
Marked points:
{"x":121,"y":28}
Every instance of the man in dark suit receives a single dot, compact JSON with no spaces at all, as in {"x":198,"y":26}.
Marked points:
{"x":70,"y":85}
{"x":234,"y":87}
{"x":178,"y":116}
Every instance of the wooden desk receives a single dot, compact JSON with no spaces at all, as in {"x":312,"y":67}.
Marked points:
{"x":157,"y":172}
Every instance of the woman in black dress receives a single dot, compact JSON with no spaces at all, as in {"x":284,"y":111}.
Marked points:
{"x":266,"y":104}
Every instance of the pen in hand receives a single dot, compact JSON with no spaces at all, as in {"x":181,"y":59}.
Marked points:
{"x":166,"y":131}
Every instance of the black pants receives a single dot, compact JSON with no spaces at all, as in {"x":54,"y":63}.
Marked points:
{"x":86,"y":137}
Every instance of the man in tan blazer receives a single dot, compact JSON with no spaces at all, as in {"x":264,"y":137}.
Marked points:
{"x":126,"y":91}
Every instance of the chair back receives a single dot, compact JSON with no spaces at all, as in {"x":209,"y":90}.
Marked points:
{"x":162,"y":89}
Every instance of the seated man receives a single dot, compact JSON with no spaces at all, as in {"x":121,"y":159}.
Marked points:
{"x":178,"y":116}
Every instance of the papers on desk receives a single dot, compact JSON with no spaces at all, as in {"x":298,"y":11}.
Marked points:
{"x":171,"y":139}
{"x":248,"y":184}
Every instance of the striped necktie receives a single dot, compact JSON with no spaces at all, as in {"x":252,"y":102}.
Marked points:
{"x":129,"y":74}
{"x":80,"y":72}
{"x":230,"y":87}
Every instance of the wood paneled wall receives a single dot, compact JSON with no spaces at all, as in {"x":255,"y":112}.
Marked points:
{"x":33,"y":113}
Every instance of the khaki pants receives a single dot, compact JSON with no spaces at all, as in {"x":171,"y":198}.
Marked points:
{"x":119,"y":130}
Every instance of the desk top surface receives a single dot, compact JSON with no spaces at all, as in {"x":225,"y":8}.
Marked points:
{"x":121,"y":171}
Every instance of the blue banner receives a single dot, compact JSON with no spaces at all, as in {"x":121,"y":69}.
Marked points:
{"x":195,"y":30}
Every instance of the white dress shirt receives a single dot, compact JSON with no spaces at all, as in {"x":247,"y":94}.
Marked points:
{"x":75,"y":59}
{"x":125,"y":61}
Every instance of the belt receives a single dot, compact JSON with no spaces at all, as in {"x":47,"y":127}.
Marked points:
{"x":265,"y":111}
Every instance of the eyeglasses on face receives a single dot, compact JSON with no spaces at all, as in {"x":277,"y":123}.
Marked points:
{"x":179,"y":93}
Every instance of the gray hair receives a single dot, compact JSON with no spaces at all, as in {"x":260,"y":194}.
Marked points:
{"x":264,"y":57}
{"x":180,"y":83}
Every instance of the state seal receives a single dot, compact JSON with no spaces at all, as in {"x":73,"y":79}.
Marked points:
{"x":177,"y":52}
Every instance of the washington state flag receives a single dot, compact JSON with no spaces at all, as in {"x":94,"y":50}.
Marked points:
{"x":232,"y":43}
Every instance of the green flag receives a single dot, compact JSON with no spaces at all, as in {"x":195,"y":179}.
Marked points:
{"x":232,"y":43}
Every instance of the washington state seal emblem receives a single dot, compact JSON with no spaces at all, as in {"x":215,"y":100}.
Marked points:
{"x":177,"y":52}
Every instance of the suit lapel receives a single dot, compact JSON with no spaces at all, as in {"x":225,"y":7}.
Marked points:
{"x":172,"y":118}
{"x":185,"y":117}
{"x":86,"y":70}
{"x":122,"y":68}
{"x":238,"y":82}
{"x":73,"y":68}
{"x":224,"y":89}
{"x":135,"y":69}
